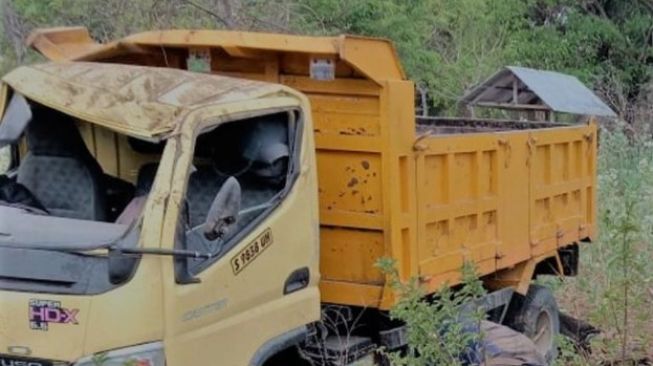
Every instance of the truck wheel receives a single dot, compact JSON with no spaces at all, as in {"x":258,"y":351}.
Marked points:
{"x":536,"y":316}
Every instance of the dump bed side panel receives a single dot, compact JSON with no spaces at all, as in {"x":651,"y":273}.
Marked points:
{"x":514,"y":190}
{"x":562,"y":187}
{"x":499,"y":199}
{"x":459,"y":204}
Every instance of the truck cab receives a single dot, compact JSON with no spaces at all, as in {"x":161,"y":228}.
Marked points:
{"x":149,"y":215}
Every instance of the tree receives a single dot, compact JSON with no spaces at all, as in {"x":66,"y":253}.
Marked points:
{"x":446,"y":46}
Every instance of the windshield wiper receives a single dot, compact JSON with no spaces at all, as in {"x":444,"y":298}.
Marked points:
{"x":158,"y":251}
{"x":111,"y":248}
{"x":113,"y":240}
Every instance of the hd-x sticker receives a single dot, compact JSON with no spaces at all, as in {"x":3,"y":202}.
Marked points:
{"x":44,"y":312}
{"x":248,"y":254}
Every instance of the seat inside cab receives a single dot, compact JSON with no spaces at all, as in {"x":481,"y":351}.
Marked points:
{"x":65,"y":167}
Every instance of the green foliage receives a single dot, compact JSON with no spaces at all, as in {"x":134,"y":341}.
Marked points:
{"x":613,"y":288}
{"x":113,"y":18}
{"x":626,"y":184}
{"x":446,"y":46}
{"x":565,"y":36}
{"x":440,"y":328}
{"x":450,"y":45}
{"x":568,"y":354}
{"x":100,"y":359}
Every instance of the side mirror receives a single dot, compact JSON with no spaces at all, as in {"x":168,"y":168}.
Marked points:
{"x":223,"y":213}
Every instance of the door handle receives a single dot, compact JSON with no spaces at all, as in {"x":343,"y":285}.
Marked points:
{"x":297,"y":280}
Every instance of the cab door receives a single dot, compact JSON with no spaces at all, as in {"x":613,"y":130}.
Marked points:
{"x":261,"y":284}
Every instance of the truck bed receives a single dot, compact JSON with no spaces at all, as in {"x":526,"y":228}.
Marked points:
{"x":496,"y":193}
{"x":435,"y":192}
{"x":499,"y":196}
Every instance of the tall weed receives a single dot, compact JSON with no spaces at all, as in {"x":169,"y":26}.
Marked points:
{"x":441,"y":330}
{"x":613,"y":290}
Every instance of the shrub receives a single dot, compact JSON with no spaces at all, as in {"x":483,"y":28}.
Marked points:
{"x":613,"y":289}
{"x":443,"y":329}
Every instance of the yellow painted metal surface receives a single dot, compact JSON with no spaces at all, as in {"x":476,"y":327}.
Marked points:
{"x":520,"y":275}
{"x":465,"y":213}
{"x":74,"y":43}
{"x":57,"y":43}
{"x":136,"y":100}
{"x":499,"y":199}
{"x":253,"y":307}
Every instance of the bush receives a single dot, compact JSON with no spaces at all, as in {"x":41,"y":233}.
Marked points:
{"x":613,"y":289}
{"x":443,"y":329}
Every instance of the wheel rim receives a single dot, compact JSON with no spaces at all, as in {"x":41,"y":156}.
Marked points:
{"x":543,"y":337}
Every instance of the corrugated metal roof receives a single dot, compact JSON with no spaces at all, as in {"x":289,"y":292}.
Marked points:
{"x":559,"y":92}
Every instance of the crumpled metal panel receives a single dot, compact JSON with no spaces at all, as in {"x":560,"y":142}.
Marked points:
{"x":137,"y":100}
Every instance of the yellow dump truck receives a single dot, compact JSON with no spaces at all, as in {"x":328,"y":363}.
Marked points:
{"x":161,"y":216}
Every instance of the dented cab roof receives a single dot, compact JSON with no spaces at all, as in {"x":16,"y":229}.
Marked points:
{"x":143,"y":101}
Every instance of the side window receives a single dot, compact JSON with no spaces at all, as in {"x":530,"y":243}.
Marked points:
{"x":240,"y":171}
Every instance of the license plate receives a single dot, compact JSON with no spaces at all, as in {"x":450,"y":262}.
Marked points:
{"x":21,"y":361}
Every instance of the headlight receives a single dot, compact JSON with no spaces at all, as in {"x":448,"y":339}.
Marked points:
{"x":149,"y":354}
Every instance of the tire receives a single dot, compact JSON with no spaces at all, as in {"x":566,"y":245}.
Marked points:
{"x":537,"y":316}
